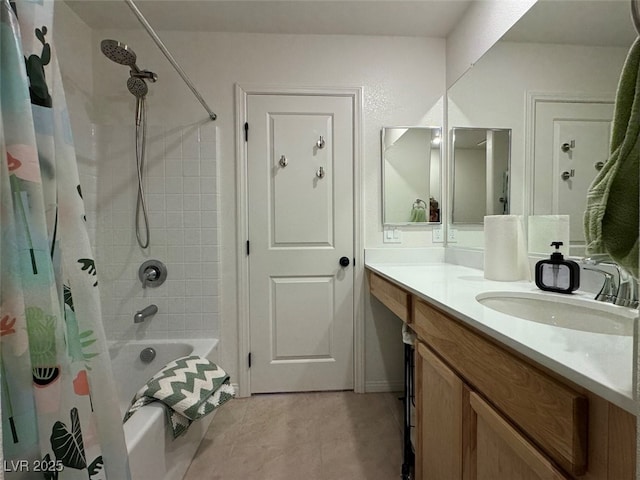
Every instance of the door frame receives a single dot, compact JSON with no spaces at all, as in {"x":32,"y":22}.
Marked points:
{"x":242,"y":91}
{"x":531,"y":101}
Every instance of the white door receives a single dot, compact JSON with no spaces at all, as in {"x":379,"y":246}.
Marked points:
{"x":571,"y":142}
{"x":300,"y":188}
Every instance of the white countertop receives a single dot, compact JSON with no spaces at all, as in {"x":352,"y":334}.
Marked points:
{"x":601,"y":363}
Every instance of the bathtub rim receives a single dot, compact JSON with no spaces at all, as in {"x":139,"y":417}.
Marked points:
{"x":203,"y":347}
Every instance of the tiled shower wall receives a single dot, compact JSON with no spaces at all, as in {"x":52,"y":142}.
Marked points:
{"x":181,"y":186}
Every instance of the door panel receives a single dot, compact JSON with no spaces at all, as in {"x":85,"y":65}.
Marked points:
{"x":300,"y":224}
{"x":297,"y":192}
{"x":302,"y":330}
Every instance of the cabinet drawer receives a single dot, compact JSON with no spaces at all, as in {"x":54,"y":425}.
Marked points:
{"x":553,"y":414}
{"x":395,"y":298}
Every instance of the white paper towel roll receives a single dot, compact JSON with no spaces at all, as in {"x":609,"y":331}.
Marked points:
{"x":505,"y":255}
{"x":544,"y":229}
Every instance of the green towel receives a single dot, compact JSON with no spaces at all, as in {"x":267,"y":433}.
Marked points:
{"x":418,"y":214}
{"x":611,"y":218}
{"x":189,"y":387}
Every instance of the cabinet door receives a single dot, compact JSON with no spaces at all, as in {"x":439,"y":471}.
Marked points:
{"x":502,"y":453}
{"x":439,"y":418}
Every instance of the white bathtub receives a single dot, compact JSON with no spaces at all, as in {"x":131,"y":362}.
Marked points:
{"x":153,"y":453}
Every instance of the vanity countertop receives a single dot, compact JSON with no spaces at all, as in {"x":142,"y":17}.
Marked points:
{"x":601,"y":363}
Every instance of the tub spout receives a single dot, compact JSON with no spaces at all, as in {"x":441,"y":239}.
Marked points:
{"x":141,"y":315}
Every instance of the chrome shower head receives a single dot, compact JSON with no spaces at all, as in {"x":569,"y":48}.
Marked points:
{"x":118,"y":52}
{"x":137,"y":86}
{"x":122,"y":54}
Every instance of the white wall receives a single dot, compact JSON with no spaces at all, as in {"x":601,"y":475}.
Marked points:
{"x":470,"y":185}
{"x":483,"y":24}
{"x":75,"y":56}
{"x":403,"y":80}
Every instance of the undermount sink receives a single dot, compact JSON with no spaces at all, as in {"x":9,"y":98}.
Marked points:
{"x":567,"y":311}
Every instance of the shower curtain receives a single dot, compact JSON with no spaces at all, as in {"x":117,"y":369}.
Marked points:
{"x":60,"y":414}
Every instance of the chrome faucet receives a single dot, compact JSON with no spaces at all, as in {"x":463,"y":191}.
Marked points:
{"x":624,"y":292}
{"x":146,"y":312}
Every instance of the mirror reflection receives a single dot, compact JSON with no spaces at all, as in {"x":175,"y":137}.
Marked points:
{"x":411,"y":170}
{"x":551,"y":80}
{"x":480,"y":186}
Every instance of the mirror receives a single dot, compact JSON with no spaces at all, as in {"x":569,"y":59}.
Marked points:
{"x":411,"y":175}
{"x":480,"y":184}
{"x":561,"y":53}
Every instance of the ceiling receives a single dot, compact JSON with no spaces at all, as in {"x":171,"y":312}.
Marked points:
{"x":586,"y":22}
{"x":578,"y":22}
{"x":421,"y":18}
{"x":470,"y":138}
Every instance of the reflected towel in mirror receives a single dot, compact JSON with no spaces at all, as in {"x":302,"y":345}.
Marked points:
{"x":611,"y":218}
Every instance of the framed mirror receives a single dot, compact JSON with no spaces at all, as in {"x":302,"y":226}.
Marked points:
{"x":480,"y":186}
{"x":551,"y":79}
{"x":411,"y":175}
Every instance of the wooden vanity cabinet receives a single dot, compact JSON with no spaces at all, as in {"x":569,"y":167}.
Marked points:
{"x":484,"y":412}
{"x":460,"y":436}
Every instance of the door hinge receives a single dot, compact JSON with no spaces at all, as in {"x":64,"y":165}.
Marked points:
{"x":246,"y":131}
{"x":249,"y":359}
{"x":354,"y":261}
{"x":248,"y":247}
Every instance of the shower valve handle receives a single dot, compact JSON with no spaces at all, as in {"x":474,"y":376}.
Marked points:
{"x":152,"y":273}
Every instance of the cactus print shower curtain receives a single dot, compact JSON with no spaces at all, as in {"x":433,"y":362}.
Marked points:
{"x":60,"y":415}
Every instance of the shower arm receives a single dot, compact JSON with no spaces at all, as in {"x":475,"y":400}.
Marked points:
{"x":172,"y":61}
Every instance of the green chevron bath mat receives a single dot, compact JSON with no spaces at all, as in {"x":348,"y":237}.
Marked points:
{"x":190,"y":388}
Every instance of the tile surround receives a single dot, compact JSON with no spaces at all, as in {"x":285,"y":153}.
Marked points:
{"x":182,"y":192}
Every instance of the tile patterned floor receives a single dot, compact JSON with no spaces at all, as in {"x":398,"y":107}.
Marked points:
{"x":309,"y":436}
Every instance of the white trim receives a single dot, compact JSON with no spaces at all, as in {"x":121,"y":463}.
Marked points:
{"x":242,"y":231}
{"x":531,"y":100}
{"x":380,"y":386}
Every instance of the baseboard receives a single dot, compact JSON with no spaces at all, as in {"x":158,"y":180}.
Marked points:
{"x":383,"y":386}
{"x":369,"y":387}
{"x":236,"y":387}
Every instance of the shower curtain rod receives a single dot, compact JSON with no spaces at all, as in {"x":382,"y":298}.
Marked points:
{"x":635,"y":15}
{"x":172,"y":61}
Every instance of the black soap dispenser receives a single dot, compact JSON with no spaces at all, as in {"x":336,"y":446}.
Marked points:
{"x":557,"y":274}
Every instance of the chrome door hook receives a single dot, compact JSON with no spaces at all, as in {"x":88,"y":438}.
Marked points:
{"x":320,"y":173}
{"x":320,"y":143}
{"x":567,"y":175}
{"x":565,"y":147}
{"x":283,"y":161}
